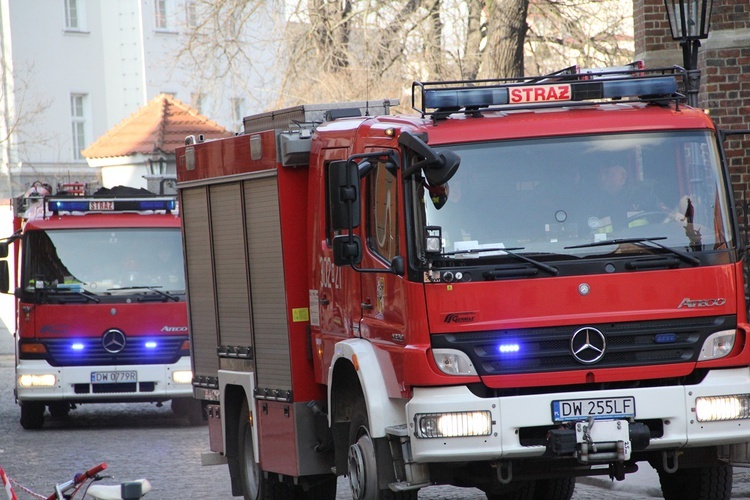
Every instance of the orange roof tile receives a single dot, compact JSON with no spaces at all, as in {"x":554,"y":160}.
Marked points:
{"x":158,"y":127}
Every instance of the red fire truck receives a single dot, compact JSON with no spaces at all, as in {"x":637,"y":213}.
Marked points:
{"x":100,"y":292}
{"x":567,"y":302}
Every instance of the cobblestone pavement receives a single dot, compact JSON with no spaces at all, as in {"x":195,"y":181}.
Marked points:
{"x":143,"y":440}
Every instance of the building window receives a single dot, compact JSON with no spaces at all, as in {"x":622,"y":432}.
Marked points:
{"x":160,"y":15}
{"x":75,"y":20}
{"x":78,"y":122}
{"x":238,"y":111}
{"x":197,"y":101}
{"x":190,"y":14}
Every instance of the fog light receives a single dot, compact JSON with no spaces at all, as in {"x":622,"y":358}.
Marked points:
{"x":453,"y":362}
{"x":44,"y":380}
{"x":182,"y":376}
{"x":718,"y":408}
{"x":717,"y":345}
{"x":458,"y":424}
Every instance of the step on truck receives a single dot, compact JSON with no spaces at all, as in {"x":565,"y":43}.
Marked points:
{"x":524,"y":282}
{"x":100,"y":301}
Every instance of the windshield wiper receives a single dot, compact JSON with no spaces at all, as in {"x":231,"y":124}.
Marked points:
{"x":509,"y":251}
{"x":154,"y":289}
{"x":61,"y":294}
{"x":642,"y":241}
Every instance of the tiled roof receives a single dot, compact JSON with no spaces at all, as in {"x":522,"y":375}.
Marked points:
{"x":158,"y":127}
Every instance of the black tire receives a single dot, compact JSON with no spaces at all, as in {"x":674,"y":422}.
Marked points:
{"x":517,"y":490}
{"x":59,"y":409}
{"x":703,"y":483}
{"x":362,"y":462}
{"x":322,"y":488}
{"x":255,"y":486}
{"x":191,"y":408}
{"x":558,"y":488}
{"x":32,"y":415}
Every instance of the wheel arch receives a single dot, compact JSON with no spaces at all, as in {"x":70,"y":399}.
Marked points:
{"x":357,"y":371}
{"x":235,"y":389}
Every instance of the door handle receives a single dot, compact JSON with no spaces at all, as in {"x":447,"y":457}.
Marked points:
{"x":366,"y":305}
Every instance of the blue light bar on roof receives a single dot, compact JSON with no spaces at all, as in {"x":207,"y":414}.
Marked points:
{"x":478,"y":97}
{"x":113,"y":205}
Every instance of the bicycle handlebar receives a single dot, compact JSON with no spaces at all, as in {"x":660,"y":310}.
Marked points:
{"x":78,"y":479}
{"x":90,"y":473}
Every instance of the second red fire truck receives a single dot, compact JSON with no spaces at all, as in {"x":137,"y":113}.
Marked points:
{"x":525,"y":282}
{"x":100,"y":294}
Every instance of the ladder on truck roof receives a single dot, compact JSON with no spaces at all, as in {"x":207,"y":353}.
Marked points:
{"x":571,"y":86}
{"x":297,"y":116}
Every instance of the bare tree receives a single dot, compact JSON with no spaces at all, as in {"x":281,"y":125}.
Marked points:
{"x":506,"y":34}
{"x":330,"y":50}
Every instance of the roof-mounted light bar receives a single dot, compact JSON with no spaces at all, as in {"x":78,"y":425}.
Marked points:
{"x":567,"y":86}
{"x":103,"y":205}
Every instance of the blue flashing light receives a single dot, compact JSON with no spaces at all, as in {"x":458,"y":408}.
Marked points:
{"x":78,"y":346}
{"x":71,"y":206}
{"x":150,"y":344}
{"x":639,"y":87}
{"x":665,"y":338}
{"x":508,"y":348}
{"x":157,"y":204}
{"x":465,"y":97}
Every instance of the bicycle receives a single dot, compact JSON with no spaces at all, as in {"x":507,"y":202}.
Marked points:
{"x":84,"y":483}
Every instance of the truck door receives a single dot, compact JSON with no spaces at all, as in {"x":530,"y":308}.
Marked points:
{"x":334,"y":292}
{"x":383,"y":300}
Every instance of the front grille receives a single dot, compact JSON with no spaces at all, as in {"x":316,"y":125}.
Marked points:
{"x":90,"y":351}
{"x":629,"y":344}
{"x":128,"y":387}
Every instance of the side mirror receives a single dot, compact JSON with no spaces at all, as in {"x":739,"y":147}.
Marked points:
{"x":446,"y":168}
{"x":4,"y":250}
{"x":4,"y":276}
{"x":347,"y":250}
{"x":343,"y":194}
{"x":438,"y":168}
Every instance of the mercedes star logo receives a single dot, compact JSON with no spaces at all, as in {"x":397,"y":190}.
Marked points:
{"x":588,"y":345}
{"x":113,"y":341}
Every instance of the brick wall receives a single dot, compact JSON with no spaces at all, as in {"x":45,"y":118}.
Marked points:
{"x":724,"y":61}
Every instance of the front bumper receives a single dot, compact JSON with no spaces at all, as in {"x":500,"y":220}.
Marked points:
{"x":674,"y":406}
{"x":74,"y":383}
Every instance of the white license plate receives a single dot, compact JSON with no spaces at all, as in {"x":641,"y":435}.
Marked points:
{"x":114,"y":377}
{"x":582,"y":409}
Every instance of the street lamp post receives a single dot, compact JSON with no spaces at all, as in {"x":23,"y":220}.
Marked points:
{"x":690,"y":21}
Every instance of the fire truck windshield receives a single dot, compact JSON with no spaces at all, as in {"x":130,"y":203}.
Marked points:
{"x":563,"y":197}
{"x":102,"y":261}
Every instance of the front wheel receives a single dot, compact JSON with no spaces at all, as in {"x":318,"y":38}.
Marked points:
{"x":362,"y":462}
{"x":703,"y":483}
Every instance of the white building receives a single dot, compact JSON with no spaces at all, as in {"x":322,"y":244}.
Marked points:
{"x":72,"y":69}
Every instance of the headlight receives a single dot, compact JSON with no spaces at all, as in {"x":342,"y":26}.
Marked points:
{"x":45,"y":380}
{"x":717,"y":408}
{"x":458,"y":424}
{"x":182,"y":376}
{"x":717,"y":345}
{"x":453,"y":362}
